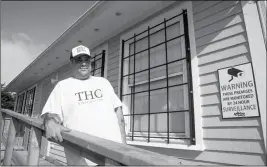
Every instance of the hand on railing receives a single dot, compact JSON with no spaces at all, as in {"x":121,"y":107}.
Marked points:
{"x":53,"y":127}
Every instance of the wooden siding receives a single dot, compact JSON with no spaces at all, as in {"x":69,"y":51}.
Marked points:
{"x":221,"y":41}
{"x":113,"y":62}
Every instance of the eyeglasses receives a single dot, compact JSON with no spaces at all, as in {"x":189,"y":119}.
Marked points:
{"x":80,"y":60}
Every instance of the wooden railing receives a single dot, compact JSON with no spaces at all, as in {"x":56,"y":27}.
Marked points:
{"x":98,"y":150}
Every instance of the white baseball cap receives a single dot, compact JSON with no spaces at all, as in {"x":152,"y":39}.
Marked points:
{"x":79,"y":50}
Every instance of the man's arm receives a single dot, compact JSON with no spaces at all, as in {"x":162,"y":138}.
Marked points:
{"x":53,"y":128}
{"x":121,"y":122}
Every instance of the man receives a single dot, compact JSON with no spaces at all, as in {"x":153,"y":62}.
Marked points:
{"x":83,"y":103}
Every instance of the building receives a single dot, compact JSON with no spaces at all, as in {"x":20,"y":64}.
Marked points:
{"x":137,"y":45}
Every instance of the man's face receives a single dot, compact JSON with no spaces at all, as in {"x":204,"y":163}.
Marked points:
{"x":81,"y":66}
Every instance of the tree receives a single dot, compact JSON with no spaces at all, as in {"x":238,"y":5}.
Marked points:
{"x":7,"y":99}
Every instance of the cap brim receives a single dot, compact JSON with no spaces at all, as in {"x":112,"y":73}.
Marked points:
{"x":77,"y":56}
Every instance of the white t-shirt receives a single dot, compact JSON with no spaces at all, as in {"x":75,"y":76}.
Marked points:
{"x":86,"y":106}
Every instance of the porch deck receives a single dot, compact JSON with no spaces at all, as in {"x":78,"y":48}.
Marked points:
{"x":20,"y":158}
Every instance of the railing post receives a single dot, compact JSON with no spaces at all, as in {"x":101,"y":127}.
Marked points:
{"x":2,"y":119}
{"x":34,"y":146}
{"x":11,"y":141}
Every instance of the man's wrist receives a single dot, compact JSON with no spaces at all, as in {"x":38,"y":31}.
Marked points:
{"x":51,"y":117}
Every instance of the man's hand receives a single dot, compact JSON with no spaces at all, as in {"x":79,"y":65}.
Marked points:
{"x":53,"y":128}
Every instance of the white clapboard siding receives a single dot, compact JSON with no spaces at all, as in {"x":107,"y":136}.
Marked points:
{"x":219,"y":25}
{"x":235,"y":146}
{"x":224,"y":54}
{"x":57,"y":152}
{"x":197,"y":3}
{"x":218,"y":16}
{"x":242,"y":133}
{"x":222,"y":5}
{"x":208,"y":78}
{"x":210,"y":99}
{"x":222,"y":64}
{"x":113,"y":72}
{"x":232,"y":158}
{"x":211,"y":110}
{"x":209,"y":89}
{"x":216,"y":36}
{"x":217,"y":121}
{"x":204,"y":6}
{"x":222,"y":44}
{"x":221,"y":41}
{"x":113,"y":62}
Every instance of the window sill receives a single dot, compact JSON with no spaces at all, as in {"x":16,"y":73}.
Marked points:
{"x":196,"y":147}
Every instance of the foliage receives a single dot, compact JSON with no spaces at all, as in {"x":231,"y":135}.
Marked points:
{"x":7,"y":99}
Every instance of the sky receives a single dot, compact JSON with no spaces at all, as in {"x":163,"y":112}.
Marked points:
{"x":29,"y":27}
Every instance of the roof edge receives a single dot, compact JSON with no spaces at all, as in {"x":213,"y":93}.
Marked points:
{"x":76,"y":23}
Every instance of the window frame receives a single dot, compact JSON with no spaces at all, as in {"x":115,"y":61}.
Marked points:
{"x":194,"y":73}
{"x":27,"y":130}
{"x":23,"y":103}
{"x":98,"y":50}
{"x":179,"y":20}
{"x":34,"y":95}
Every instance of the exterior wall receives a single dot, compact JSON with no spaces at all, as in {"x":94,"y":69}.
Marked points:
{"x":113,"y":62}
{"x":262,"y":7}
{"x":221,"y":41}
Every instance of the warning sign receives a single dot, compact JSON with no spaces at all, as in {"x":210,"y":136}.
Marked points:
{"x":238,"y":92}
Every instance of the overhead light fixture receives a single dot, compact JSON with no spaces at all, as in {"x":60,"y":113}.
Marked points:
{"x":118,"y":13}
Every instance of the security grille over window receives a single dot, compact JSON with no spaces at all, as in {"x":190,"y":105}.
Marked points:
{"x":20,"y":133}
{"x":20,"y":103}
{"x":156,"y":83}
{"x":98,"y":64}
{"x":29,"y":102}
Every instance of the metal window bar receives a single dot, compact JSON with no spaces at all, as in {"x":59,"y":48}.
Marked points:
{"x":165,"y":87}
{"x":154,"y":26}
{"x":102,"y":66}
{"x":130,"y":55}
{"x":29,"y":102}
{"x":148,"y":45}
{"x":103,"y":63}
{"x":189,"y":78}
{"x":94,"y":64}
{"x":20,"y":103}
{"x":133,"y":87}
{"x":167,"y":81}
{"x":174,"y":61}
{"x":163,"y":112}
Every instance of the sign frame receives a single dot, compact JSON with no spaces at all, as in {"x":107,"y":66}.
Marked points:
{"x":256,"y":94}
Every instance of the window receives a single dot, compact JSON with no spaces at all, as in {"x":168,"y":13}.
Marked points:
{"x":20,"y":133}
{"x":28,"y":109}
{"x":19,"y":105}
{"x":98,"y":64}
{"x":156,"y":83}
{"x":29,"y":102}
